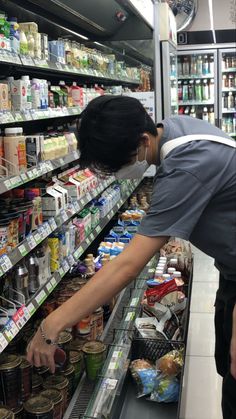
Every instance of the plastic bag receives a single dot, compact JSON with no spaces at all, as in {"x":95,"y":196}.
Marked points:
{"x":166,"y":389}
{"x":144,"y":375}
{"x":171,"y":363}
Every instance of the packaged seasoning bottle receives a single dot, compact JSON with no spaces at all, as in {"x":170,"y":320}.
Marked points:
{"x":33,"y":269}
{"x":38,"y":407}
{"x":10,"y":389}
{"x":55,"y":396}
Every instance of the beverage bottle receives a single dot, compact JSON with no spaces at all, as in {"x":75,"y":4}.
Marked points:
{"x":180,"y":67}
{"x":14,"y":35}
{"x":76,"y":94}
{"x":231,"y":80}
{"x":198,"y":91}
{"x":193,"y":69}
{"x":211,"y":65}
{"x":223,"y":62}
{"x":199,"y":65}
{"x":28,"y":91}
{"x":185,"y":91}
{"x":223,"y":127}
{"x":205,"y":114}
{"x":212,"y":116}
{"x":230,"y":100}
{"x":180,"y":90}
{"x":224,"y":100}
{"x":193,"y":112}
{"x":187,"y":109}
{"x":186,"y":66}
{"x":229,"y":62}
{"x":234,"y":123}
{"x":23,"y":43}
{"x":225,"y":81}
{"x":31,"y":44}
{"x":205,"y":65}
{"x":212,"y":89}
{"x":191,"y":90}
{"x":205,"y":90}
{"x":230,"y":125}
{"x":35,"y":89}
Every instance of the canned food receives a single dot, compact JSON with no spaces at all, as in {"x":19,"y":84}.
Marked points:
{"x":60,"y":383}
{"x":38,"y":407}
{"x":83,"y":327}
{"x":6,"y":413}
{"x":18,"y":412}
{"x":56,"y":397}
{"x":98,"y":320}
{"x":69,"y":373}
{"x":42,"y":371}
{"x":10,"y":389}
{"x":26,"y":379}
{"x":64,"y":340}
{"x":94,"y":356}
{"x":75,"y":360}
{"x":37,"y":384}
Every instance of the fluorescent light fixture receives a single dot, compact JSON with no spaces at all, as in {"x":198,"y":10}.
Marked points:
{"x":210,"y":6}
{"x":76,"y":34}
{"x":98,"y":43}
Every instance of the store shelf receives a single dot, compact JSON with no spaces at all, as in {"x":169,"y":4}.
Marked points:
{"x":224,"y":111}
{"x":48,"y":66}
{"x":43,"y":168}
{"x":47,"y":228}
{"x":207,"y":76}
{"x":12,"y":117}
{"x":15,"y":324}
{"x":196,"y":103}
{"x":229,"y":70}
{"x":229,"y":89}
{"x":232,"y":134}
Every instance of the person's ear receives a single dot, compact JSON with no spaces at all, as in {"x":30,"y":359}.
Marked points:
{"x":145,"y":139}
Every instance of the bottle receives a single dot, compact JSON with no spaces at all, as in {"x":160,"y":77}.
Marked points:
{"x":212,"y":89}
{"x":186,"y":66}
{"x":231,"y":81}
{"x":225,"y":81}
{"x":193,"y":112}
{"x":191,"y":90}
{"x":193,"y":69}
{"x":234,"y":123}
{"x":23,"y":43}
{"x":211,"y":65}
{"x":28,"y":91}
{"x":15,"y":150}
{"x":35,"y":89}
{"x":31,"y":44}
{"x":198,"y":91}
{"x":33,"y":270}
{"x":76,"y":94}
{"x":230,"y":100}
{"x":205,"y":65}
{"x":212,"y":116}
{"x":228,"y":62}
{"x":14,"y":35}
{"x":205,"y":90}
{"x":224,"y":100}
{"x":223,"y":62}
{"x":180,"y":90}
{"x":199,"y":65}
{"x":180,"y":67}
{"x":205,"y":114}
{"x":185,"y":91}
{"x":20,"y":280}
{"x":187,"y":109}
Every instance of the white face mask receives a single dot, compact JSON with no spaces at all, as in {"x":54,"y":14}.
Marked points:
{"x":135,"y":170}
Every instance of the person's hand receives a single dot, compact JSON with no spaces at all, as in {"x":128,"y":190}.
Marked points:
{"x":39,"y":353}
{"x":233,"y":346}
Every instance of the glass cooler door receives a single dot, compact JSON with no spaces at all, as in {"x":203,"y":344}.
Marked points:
{"x":197,"y":84}
{"x":227,"y":91}
{"x":169,"y":77}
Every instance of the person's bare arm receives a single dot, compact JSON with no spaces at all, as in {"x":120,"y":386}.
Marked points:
{"x":106,"y":283}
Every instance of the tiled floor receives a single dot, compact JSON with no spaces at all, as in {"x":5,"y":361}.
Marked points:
{"x":201,"y":397}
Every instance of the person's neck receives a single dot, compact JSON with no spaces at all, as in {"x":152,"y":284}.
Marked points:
{"x":155,"y":141}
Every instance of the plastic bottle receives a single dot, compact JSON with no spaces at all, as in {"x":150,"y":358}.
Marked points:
{"x":205,"y":114}
{"x":191,"y":90}
{"x":76,"y":94}
{"x":225,"y":81}
{"x":231,"y":81}
{"x":35,"y":89}
{"x":212,"y":89}
{"x":186,"y":66}
{"x":224,"y":100}
{"x":23,"y":43}
{"x":14,"y":35}
{"x":205,"y":65}
{"x":230,"y":100}
{"x":234,"y":123}
{"x":199,"y":65}
{"x":31,"y":44}
{"x":185,"y":91}
{"x":28,"y":91}
{"x":211,"y":65}
{"x":212,"y":116}
{"x":198,"y":91}
{"x":205,"y":90}
{"x":180,"y":67}
{"x":15,"y":150}
{"x":180,"y":90}
{"x":193,"y":68}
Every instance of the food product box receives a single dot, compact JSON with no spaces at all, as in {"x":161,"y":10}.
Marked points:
{"x":95,"y":217}
{"x":64,"y":193}
{"x":4,"y":99}
{"x":75,"y":182}
{"x":85,"y":217}
{"x":52,"y":202}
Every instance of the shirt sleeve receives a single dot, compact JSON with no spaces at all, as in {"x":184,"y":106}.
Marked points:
{"x":178,"y":200}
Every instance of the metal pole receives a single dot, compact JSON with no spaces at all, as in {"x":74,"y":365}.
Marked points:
{"x":157,"y":63}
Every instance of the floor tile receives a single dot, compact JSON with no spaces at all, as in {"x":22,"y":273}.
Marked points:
{"x":204,"y":271}
{"x":203,"y":297}
{"x":201,"y":397}
{"x":201,"y":335}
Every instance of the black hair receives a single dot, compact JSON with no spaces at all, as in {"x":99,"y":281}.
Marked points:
{"x":110,"y":132}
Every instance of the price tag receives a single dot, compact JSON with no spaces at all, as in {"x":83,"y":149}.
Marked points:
{"x":59,"y":66}
{"x":61,"y":161}
{"x":7,"y":184}
{"x":76,"y":206}
{"x":134,"y":301}
{"x":65,"y":266}
{"x":109,"y":383}
{"x":5,"y":263}
{"x":10,"y":330}
{"x":18,"y":117}
{"x":76,"y":254}
{"x":22,"y":249}
{"x":130,"y":316}
{"x":53,"y":282}
{"x":61,"y":272}
{"x":1,"y":272}
{"x":21,"y":317}
{"x":87,"y":240}
{"x":71,"y":260}
{"x":92,"y":236}
{"x":15,"y":181}
{"x":31,"y":241}
{"x":64,"y":215}
{"x":31,"y":309}
{"x":113,"y":365}
{"x":47,"y":229}
{"x":49,"y":287}
{"x":24,"y":177}
{"x":35,"y":172}
{"x":38,"y":238}
{"x":30,"y":174}
{"x":98,"y":229}
{"x":52,"y":223}
{"x":3,"y":342}
{"x":41,"y":297}
{"x":49,"y":165}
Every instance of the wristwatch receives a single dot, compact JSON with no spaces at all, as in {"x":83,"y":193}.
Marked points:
{"x":46,"y":339}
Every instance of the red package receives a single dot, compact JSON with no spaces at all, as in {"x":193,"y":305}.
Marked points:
{"x":155,"y":295}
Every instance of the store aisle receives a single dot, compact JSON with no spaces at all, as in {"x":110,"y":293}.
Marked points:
{"x":201,"y":397}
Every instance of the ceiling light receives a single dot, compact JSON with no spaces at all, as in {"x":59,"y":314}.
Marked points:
{"x":210,"y":5}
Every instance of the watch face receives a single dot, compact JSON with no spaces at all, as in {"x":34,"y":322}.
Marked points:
{"x":184,"y":11}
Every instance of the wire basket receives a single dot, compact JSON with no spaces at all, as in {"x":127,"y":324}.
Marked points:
{"x":152,"y":349}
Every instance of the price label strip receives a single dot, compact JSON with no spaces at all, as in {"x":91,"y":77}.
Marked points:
{"x":10,"y":330}
{"x":22,"y":249}
{"x":31,"y":309}
{"x":3,"y":342}
{"x":52,"y":223}
{"x":5,"y":263}
{"x":41,"y":297}
{"x":130,"y":316}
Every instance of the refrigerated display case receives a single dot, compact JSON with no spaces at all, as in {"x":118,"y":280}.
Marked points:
{"x":198,"y":84}
{"x":227,"y":89}
{"x":169,"y":79}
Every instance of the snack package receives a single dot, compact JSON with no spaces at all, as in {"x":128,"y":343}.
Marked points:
{"x":166,"y":389}
{"x":171,"y":363}
{"x":144,"y":375}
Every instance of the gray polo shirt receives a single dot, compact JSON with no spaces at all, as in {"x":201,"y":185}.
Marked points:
{"x":194,"y":193}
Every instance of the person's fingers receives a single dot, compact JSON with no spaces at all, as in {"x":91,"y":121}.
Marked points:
{"x":51,"y":362}
{"x":29,"y":354}
{"x":36,"y":358}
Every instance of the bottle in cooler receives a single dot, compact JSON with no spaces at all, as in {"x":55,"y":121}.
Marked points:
{"x":225,"y":81}
{"x":229,"y":125}
{"x":223,"y":126}
{"x":205,"y":114}
{"x":199,"y":65}
{"x":180,"y":67}
{"x":212,"y":89}
{"x":186,"y":66}
{"x":234,"y":123}
{"x":193,"y":112}
{"x":211,"y":65}
{"x":205,"y":90}
{"x":228,"y":61}
{"x":224,"y":100}
{"x":223,"y":62}
{"x":230,"y":100}
{"x":191,"y":90}
{"x":185,"y":91}
{"x":198,"y":91}
{"x":231,"y":81}
{"x":180,"y":90}
{"x":193,"y":68}
{"x":187,"y":110}
{"x":205,"y":65}
{"x":28,"y":91}
{"x":212,"y":116}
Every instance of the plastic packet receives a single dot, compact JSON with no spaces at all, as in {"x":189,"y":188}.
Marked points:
{"x":166,"y":389}
{"x":171,"y":363}
{"x":144,"y":375}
